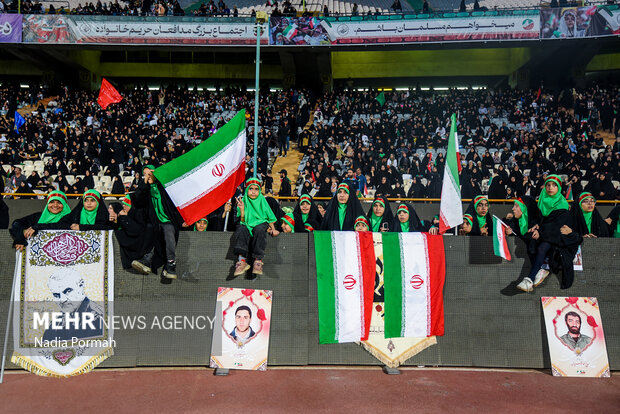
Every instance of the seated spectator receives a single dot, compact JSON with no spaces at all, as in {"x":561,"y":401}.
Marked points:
{"x":406,"y":220}
{"x":557,"y":242}
{"x":342,"y":211}
{"x":256,"y":219}
{"x":380,"y":215}
{"x":585,"y":218}
{"x":89,"y":214}
{"x":306,"y":215}
{"x":361,"y":224}
{"x":55,"y":209}
{"x":134,"y":233}
{"x":613,"y":220}
{"x":482,"y":223}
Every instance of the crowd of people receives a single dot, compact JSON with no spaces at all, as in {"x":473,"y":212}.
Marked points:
{"x":540,"y":135}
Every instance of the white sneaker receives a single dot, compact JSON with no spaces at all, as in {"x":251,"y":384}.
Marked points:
{"x":526,"y":285}
{"x":541,"y":276}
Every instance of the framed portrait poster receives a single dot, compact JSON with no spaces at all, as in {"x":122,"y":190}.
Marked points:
{"x":576,"y":339}
{"x":241,"y":330}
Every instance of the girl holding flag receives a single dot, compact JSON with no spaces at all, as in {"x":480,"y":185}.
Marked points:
{"x":50,"y":218}
{"x":255,"y":219}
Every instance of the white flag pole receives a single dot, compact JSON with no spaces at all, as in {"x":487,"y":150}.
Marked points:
{"x":10,"y":314}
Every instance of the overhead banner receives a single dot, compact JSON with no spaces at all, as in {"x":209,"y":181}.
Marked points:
{"x":575,"y":22}
{"x":10,"y":28}
{"x":64,"y":303}
{"x":430,"y":30}
{"x":137,"y":30}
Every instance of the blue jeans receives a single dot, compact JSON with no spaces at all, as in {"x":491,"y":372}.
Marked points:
{"x":538,"y":259}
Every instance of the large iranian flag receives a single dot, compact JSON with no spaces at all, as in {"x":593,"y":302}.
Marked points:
{"x":345,"y":266}
{"x":413,"y":278}
{"x":201,"y":180}
{"x":451,"y":208}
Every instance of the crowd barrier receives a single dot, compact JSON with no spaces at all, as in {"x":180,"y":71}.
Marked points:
{"x":487,"y":322}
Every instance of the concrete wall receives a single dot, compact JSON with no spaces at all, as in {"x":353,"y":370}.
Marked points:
{"x":487,"y":322}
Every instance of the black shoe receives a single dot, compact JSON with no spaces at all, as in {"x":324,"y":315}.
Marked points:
{"x":170,"y":270}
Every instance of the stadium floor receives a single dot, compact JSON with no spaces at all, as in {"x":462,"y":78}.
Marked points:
{"x":313,"y":389}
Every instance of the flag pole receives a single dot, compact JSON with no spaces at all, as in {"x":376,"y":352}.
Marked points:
{"x":10,"y":314}
{"x":258,"y":33}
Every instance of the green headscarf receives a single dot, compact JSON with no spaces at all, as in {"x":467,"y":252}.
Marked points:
{"x":342,"y":212}
{"x":404,"y":227}
{"x":257,"y":211}
{"x":88,"y":217}
{"x":586,"y":215}
{"x":288,"y":219}
{"x":157,"y":204}
{"x":46,"y":216}
{"x":202,"y":219}
{"x":523,"y":223}
{"x":482,"y":220}
{"x":548,"y":204}
{"x":617,"y":231}
{"x":375,"y":221}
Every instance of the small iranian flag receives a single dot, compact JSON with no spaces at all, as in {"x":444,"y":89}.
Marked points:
{"x":290,"y":31}
{"x":450,"y":207}
{"x":314,"y":23}
{"x":413,"y":278}
{"x":345,"y":267}
{"x":500,"y":244}
{"x":201,"y":180}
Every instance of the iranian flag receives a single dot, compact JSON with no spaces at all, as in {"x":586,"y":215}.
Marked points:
{"x":345,"y":267}
{"x":413,"y":277}
{"x":201,"y":180}
{"x":451,"y":208}
{"x":500,"y":244}
{"x":290,"y":31}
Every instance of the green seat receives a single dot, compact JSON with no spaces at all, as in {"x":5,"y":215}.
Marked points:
{"x":381,"y":17}
{"x":344,"y":19}
{"x":462,"y":14}
{"x":477,"y":14}
{"x":396,"y":16}
{"x":410,"y":16}
{"x":518,"y":13}
{"x":491,"y":13}
{"x":423,"y":16}
{"x":449,"y":15}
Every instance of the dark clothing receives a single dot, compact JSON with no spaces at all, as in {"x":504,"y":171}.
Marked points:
{"x":246,"y":243}
{"x":135,"y":236}
{"x":285,"y":188}
{"x":533,"y":218}
{"x":331,"y":220}
{"x":475,"y":226}
{"x":563,"y":247}
{"x":68,"y":334}
{"x":415,"y":224}
{"x":578,"y":222}
{"x":19,"y":225}
{"x":102,"y":220}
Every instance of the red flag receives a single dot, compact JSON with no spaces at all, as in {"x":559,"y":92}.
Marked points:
{"x":430,"y":160}
{"x":107,"y":94}
{"x":538,"y":94}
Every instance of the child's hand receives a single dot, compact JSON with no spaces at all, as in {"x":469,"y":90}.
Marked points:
{"x":29,"y":232}
{"x":240,"y":203}
{"x":274,"y":233}
{"x":75,"y":226}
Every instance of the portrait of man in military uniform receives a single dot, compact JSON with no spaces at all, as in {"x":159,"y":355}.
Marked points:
{"x":574,"y":339}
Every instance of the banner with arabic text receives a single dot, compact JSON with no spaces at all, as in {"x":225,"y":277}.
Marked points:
{"x":137,"y":30}
{"x":10,"y":28}
{"x":432,"y":30}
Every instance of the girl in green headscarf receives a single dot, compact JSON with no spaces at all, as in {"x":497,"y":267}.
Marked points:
{"x":255,"y":219}
{"x":482,"y":223}
{"x":201,"y":225}
{"x":89,"y":214}
{"x":585,"y":218}
{"x":55,"y":209}
{"x":380,"y":215}
{"x":557,"y":241}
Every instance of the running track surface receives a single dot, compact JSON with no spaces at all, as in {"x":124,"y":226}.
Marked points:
{"x":315,"y":390}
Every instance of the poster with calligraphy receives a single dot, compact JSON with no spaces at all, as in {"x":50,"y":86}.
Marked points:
{"x":433,"y":30}
{"x":137,"y":30}
{"x":575,"y":335}
{"x":241,"y":340}
{"x":10,"y":28}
